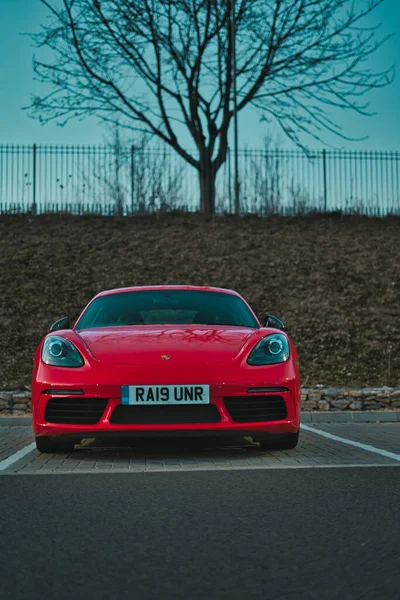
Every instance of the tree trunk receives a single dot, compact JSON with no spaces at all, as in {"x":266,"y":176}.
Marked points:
{"x":207,"y":175}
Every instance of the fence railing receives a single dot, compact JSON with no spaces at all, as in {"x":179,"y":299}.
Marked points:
{"x":105,"y":179}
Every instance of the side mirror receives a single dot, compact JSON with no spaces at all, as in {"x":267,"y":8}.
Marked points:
{"x":62,"y":323}
{"x":271,"y":321}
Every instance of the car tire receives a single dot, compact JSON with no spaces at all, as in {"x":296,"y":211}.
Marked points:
{"x":287,"y":441}
{"x":47,"y":445}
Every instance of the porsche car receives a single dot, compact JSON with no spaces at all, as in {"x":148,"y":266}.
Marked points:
{"x":166,"y":361}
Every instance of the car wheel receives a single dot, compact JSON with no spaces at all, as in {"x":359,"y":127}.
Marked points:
{"x":47,"y":445}
{"x":288,"y":441}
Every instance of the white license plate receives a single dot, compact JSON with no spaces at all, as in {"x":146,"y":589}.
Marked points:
{"x":165,"y":394}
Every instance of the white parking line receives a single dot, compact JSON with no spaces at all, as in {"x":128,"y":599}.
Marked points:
{"x":7,"y":462}
{"x":337,"y":438}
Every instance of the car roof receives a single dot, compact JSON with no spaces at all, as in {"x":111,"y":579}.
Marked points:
{"x":143,"y":288}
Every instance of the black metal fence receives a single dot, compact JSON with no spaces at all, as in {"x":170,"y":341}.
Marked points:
{"x":106,"y":179}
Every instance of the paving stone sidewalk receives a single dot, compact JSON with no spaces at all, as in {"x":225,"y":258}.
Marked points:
{"x":147,"y":455}
{"x":386,"y":436}
{"x":14,"y":438}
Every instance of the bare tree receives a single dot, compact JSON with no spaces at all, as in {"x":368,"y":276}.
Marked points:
{"x":165,"y":67}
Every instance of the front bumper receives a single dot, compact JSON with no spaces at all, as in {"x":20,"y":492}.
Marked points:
{"x":224,"y":384}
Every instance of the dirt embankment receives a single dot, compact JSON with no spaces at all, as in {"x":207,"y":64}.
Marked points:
{"x":334,"y":281}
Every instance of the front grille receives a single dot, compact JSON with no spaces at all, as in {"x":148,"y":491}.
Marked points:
{"x":254,"y":409}
{"x":158,"y":415}
{"x":76,"y":411}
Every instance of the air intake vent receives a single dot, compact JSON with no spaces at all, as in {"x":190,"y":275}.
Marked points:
{"x":158,"y":415}
{"x":76,"y":411}
{"x":256,"y":409}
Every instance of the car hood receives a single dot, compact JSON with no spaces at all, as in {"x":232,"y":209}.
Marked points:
{"x":148,"y":344}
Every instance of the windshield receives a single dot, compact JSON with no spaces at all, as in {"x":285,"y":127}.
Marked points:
{"x":170,"y":307}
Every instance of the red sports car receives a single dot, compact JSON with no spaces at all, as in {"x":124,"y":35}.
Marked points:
{"x":166,"y":360}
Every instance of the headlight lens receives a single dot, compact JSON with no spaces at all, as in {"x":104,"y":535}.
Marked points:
{"x":59,"y":352}
{"x":270,"y":350}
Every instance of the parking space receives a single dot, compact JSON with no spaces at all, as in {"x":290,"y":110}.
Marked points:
{"x":382,"y":435}
{"x":13,"y":438}
{"x":346,"y":446}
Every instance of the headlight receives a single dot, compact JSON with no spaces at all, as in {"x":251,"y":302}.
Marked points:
{"x":59,"y":352}
{"x":270,"y":350}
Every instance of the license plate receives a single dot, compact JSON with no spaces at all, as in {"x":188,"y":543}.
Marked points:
{"x":165,"y":394}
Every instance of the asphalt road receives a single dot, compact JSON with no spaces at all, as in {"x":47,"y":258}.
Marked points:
{"x":268,"y":534}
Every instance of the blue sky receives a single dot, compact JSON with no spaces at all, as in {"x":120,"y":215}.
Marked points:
{"x":17,"y":85}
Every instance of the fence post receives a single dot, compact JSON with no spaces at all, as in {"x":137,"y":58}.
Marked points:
{"x":229,"y":180}
{"x":34,"y":207}
{"x":325,"y":182}
{"x":132,"y":180}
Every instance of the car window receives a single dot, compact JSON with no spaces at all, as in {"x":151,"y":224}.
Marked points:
{"x":167,"y":307}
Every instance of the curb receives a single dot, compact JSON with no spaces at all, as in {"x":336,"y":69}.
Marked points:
{"x":378,"y":416}
{"x":21,"y":421}
{"x":365,"y":416}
